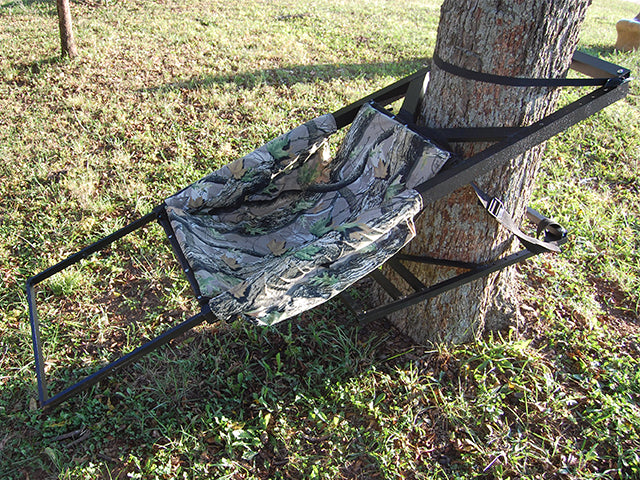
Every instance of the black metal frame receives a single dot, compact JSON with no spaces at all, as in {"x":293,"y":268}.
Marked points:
{"x":513,"y":142}
{"x":421,"y":292}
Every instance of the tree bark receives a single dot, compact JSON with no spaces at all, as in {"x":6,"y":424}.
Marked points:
{"x":526,"y":38}
{"x":67,"y":41}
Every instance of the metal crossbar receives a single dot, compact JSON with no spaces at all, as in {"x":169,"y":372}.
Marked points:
{"x":553,"y":233}
{"x":512,"y":142}
{"x":523,"y":140}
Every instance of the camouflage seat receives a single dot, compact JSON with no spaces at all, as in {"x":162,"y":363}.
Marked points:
{"x":287,"y":227}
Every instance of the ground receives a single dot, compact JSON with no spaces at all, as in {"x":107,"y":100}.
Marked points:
{"x":164,"y":92}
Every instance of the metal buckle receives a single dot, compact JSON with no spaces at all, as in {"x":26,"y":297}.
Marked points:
{"x":496,"y":207}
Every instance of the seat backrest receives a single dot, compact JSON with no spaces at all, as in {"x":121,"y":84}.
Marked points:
{"x":384,"y":157}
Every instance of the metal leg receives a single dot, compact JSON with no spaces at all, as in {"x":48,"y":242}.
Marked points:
{"x":204,"y":315}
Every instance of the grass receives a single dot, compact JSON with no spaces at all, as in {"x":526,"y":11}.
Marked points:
{"x":164,"y":92}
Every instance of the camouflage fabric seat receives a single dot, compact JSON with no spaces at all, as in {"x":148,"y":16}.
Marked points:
{"x":287,"y":227}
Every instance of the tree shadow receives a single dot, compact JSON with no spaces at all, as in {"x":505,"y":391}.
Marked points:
{"x":295,"y":74}
{"x":34,"y":68}
{"x":602,"y":51}
{"x":228,"y":387}
{"x":29,"y":3}
{"x":220,"y":375}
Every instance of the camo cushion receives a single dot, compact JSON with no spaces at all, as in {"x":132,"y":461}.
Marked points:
{"x":288,"y":227}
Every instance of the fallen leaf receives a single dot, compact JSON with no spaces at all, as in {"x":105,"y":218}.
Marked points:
{"x":362,"y":231}
{"x":230,"y":262}
{"x":381,"y":171}
{"x":240,"y":290}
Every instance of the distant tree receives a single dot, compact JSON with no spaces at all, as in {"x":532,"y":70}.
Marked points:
{"x":67,"y":42}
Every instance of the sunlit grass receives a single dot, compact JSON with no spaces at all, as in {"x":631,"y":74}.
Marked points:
{"x":164,"y":92}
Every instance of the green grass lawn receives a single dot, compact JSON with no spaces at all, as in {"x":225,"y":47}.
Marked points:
{"x":164,"y":92}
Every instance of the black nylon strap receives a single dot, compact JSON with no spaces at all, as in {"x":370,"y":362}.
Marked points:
{"x":496,"y":209}
{"x":522,"y":82}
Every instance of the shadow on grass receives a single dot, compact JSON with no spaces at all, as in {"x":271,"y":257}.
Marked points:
{"x":28,"y":3}
{"x":34,"y":68}
{"x":606,"y":52}
{"x":254,"y":399}
{"x":28,"y":70}
{"x":291,"y":75}
{"x":263,"y":400}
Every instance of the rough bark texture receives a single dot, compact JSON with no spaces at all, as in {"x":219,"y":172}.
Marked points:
{"x":526,"y":38}
{"x":67,"y":41}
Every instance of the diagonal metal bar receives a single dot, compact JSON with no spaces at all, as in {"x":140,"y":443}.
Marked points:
{"x":94,"y":247}
{"x":384,"y":96}
{"x":528,"y":137}
{"x":443,"y":262}
{"x":386,"y":284}
{"x":413,"y":281}
{"x":177,"y":330}
{"x":401,"y":302}
{"x":596,"y":67}
{"x":446,"y":285}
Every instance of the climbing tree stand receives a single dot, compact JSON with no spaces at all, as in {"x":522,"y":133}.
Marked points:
{"x":391,"y":132}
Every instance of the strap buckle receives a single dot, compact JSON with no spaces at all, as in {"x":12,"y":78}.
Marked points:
{"x":496,"y":207}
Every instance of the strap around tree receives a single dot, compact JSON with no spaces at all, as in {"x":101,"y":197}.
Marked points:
{"x":522,"y":82}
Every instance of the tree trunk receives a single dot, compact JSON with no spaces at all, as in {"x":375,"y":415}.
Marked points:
{"x":67,"y":41}
{"x":526,"y":38}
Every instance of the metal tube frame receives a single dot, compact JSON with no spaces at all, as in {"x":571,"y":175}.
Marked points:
{"x":423,"y":292}
{"x":514,"y":141}
{"x":158,"y":214}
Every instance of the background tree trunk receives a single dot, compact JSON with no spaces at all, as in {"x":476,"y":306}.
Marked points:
{"x":67,"y":41}
{"x":527,"y":38}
